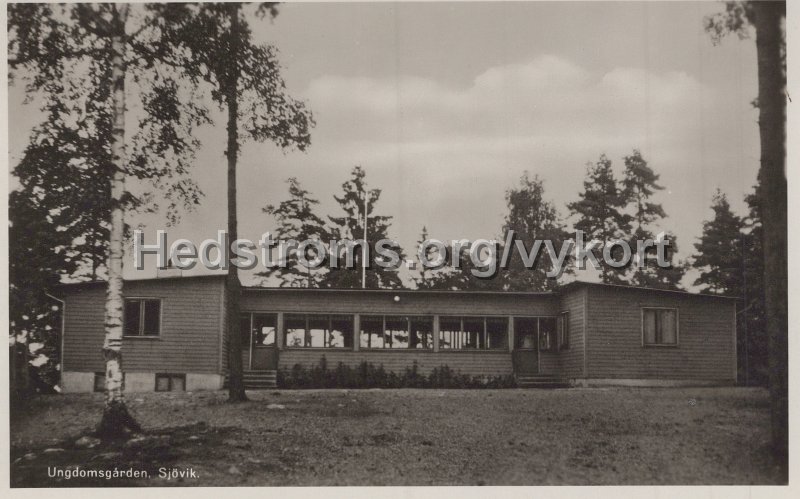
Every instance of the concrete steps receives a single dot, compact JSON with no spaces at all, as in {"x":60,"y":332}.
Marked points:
{"x":540,"y":381}
{"x":258,"y":380}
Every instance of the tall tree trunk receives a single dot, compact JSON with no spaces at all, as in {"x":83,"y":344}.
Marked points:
{"x":772,"y":198}
{"x":116,"y":420}
{"x":236,"y":391}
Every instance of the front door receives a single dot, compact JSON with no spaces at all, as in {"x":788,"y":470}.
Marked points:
{"x":526,"y":341}
{"x":262,"y":355}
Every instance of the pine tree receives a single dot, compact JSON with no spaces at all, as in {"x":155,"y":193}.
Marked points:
{"x":246,"y":80}
{"x":351,"y":226}
{"x":600,"y":214}
{"x":639,"y":184}
{"x":719,"y":252}
{"x":768,"y":20}
{"x":297,"y":221}
{"x":532,"y":217}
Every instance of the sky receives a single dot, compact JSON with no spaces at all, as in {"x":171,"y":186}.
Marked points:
{"x":445,"y":105}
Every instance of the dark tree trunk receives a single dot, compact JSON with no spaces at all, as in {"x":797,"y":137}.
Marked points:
{"x":236,"y":391}
{"x":772,"y":198}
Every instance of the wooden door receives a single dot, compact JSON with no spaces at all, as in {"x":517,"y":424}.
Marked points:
{"x":526,"y":340}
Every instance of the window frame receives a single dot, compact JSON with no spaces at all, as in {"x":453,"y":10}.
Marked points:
{"x":409,"y":320}
{"x":169,"y":376}
{"x":485,"y":333}
{"x":307,"y":317}
{"x":141,"y":300}
{"x":562,"y":331}
{"x":677,"y":328}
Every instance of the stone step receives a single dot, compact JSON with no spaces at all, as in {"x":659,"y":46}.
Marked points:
{"x":258,"y":380}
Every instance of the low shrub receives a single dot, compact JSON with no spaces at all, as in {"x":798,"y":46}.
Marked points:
{"x":368,"y":375}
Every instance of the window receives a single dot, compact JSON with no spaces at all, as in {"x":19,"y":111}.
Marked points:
{"x":264,"y":329}
{"x":170,"y":382}
{"x":547,"y":334}
{"x":473,"y":333}
{"x":396,"y":332}
{"x":142,"y":317}
{"x":660,"y":326}
{"x":531,"y":333}
{"x":526,"y":331}
{"x":318,"y":331}
{"x":563,"y":331}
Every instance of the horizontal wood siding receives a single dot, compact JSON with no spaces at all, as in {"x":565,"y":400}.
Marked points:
{"x":411,"y":302}
{"x":572,"y":358}
{"x":190,"y":327}
{"x":705,"y":351}
{"x":472,"y":363}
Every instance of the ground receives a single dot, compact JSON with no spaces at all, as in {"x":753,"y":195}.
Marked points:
{"x":411,"y":437}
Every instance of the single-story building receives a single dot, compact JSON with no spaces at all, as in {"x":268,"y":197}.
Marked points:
{"x":586,"y":333}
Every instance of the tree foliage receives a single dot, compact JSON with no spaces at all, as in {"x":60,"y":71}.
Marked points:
{"x":356,"y":200}
{"x":532,"y":217}
{"x":297,"y":220}
{"x":600,"y":212}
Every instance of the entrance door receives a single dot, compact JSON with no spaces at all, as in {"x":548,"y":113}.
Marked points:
{"x":526,"y":341}
{"x":263,"y":352}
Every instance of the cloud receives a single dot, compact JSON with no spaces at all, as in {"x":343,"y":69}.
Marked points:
{"x":546,"y":98}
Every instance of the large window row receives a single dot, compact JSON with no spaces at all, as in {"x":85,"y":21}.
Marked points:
{"x":398,"y":332}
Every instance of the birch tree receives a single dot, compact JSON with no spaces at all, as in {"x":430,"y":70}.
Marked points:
{"x":97,"y":50}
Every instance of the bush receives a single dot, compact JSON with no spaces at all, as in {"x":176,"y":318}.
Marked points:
{"x":367,"y":375}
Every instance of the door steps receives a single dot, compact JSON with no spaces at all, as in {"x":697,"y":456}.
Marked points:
{"x":258,"y":380}
{"x":540,"y":381}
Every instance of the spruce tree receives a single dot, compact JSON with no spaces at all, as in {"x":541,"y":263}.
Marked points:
{"x":351,"y":227}
{"x":600,"y":214}
{"x":719,"y":252}
{"x":297,"y":221}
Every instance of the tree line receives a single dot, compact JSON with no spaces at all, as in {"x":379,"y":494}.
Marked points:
{"x":607,"y":209}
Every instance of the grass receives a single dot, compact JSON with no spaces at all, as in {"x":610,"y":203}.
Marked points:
{"x":414,"y":437}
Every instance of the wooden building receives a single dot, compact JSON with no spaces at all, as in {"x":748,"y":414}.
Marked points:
{"x":584,"y":334}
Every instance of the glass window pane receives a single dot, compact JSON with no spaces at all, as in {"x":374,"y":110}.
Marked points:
{"x":152,"y":317}
{"x":317,"y":330}
{"x":295,"y":330}
{"x":264,"y":327}
{"x":649,"y":325}
{"x":421,"y":332}
{"x":372,"y":331}
{"x":669,"y":327}
{"x":162,"y":383}
{"x":177,"y":384}
{"x":341,"y":333}
{"x":132,"y":317}
{"x":497,"y":333}
{"x":396,"y":332}
{"x":525,"y":329}
{"x":449,"y":332}
{"x":547,"y":331}
{"x":473,"y":333}
{"x":563,"y":331}
{"x":99,"y":382}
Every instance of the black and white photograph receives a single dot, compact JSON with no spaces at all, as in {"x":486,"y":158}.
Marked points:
{"x":398,"y":244}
